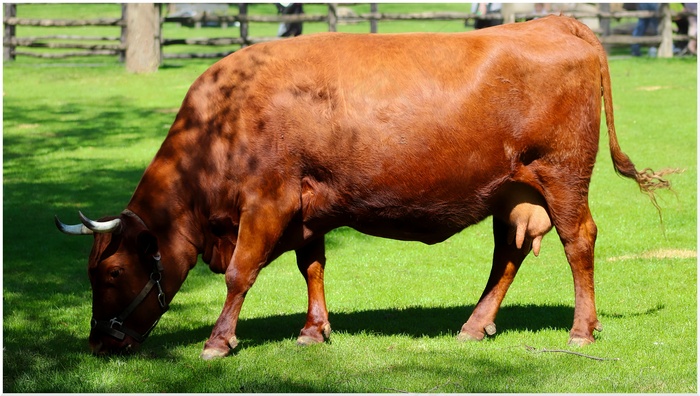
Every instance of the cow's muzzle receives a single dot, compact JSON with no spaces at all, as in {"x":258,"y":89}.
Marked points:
{"x":123,"y":337}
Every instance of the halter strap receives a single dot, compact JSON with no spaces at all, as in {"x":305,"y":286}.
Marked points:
{"x":115,"y":326}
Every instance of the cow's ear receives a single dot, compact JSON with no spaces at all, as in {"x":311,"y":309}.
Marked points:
{"x":147,"y":243}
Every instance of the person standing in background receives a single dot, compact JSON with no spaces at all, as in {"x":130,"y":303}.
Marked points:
{"x":643,"y":24}
{"x":482,"y":9}
{"x":289,"y":29}
{"x":692,"y":27}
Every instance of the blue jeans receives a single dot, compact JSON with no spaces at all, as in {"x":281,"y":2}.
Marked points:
{"x":643,"y":24}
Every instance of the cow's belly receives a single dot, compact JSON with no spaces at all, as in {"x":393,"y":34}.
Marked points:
{"x":421,"y":211}
{"x":413,"y":228}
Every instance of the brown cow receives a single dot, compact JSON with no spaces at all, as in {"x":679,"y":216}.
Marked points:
{"x":404,"y":136}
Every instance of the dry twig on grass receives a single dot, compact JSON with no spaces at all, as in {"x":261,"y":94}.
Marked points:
{"x":533,"y":349}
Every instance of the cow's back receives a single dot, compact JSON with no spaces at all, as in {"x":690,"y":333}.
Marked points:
{"x":411,"y":131}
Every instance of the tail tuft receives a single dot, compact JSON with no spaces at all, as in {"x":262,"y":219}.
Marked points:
{"x":650,"y":181}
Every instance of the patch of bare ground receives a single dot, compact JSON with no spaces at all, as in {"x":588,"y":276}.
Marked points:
{"x":173,"y":110}
{"x":652,"y":88}
{"x":659,"y":254}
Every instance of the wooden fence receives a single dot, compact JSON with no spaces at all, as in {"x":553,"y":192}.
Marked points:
{"x":145,"y":20}
{"x":665,"y":14}
{"x":106,"y":45}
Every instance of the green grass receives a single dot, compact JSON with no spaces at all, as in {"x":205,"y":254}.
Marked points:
{"x":78,"y":138}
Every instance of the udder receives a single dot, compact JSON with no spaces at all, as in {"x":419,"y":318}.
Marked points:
{"x":525,"y":211}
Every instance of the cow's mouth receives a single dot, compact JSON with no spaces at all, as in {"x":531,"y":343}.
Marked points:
{"x":102,"y":348}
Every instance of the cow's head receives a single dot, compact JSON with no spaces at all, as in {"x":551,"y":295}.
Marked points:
{"x":125,"y":273}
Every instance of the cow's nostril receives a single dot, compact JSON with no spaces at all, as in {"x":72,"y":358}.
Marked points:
{"x":96,"y":348}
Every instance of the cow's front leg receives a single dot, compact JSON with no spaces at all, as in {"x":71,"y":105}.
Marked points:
{"x":259,"y":231}
{"x":223,"y":337}
{"x":311,"y":260}
{"x":506,"y":262}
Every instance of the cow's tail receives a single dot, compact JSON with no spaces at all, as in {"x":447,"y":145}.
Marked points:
{"x":648,"y":180}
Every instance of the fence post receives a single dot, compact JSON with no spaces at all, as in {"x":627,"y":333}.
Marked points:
{"x":508,"y":12}
{"x":122,"y":36}
{"x":605,"y":24}
{"x":332,"y":17}
{"x":158,"y":25}
{"x":373,"y":8}
{"x":10,"y":11}
{"x":666,"y":31}
{"x":243,"y":11}
{"x":142,"y":37}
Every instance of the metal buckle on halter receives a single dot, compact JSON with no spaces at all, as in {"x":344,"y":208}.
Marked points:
{"x":156,"y":277}
{"x":114,"y":321}
{"x":161,"y":296}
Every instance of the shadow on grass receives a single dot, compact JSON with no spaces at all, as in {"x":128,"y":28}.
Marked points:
{"x":35,"y":350}
{"x":68,"y":126}
{"x":412,"y":322}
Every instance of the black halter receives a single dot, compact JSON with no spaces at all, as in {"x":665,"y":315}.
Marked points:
{"x":115,"y":326}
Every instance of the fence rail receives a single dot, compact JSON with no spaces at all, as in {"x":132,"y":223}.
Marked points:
{"x":64,"y":22}
{"x":36,"y":43}
{"x":105,"y":46}
{"x":61,"y":55}
{"x":384,"y":16}
{"x":119,"y":45}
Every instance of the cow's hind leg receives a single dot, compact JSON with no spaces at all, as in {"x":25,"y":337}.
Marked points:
{"x":311,"y":260}
{"x":567,"y":199}
{"x":578,"y":234}
{"x":507,"y":258}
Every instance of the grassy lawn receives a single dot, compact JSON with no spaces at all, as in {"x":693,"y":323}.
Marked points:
{"x":77,"y":135}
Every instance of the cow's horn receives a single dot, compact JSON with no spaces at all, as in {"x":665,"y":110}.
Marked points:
{"x":75,"y":229}
{"x":100,"y":226}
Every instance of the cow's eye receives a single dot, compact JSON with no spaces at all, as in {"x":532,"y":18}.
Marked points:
{"x":115,"y":272}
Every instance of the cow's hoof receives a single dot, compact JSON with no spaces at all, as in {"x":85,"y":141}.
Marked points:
{"x":326,"y":331}
{"x":580,"y":341}
{"x":581,"y":338}
{"x":463,"y":336}
{"x":306,"y":341}
{"x":211,"y":354}
{"x":233,"y":342}
{"x":467,"y":334}
{"x":323,"y":336}
{"x":490,"y":329}
{"x":213,"y":351}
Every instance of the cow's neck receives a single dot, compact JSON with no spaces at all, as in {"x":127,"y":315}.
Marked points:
{"x":159,"y":202}
{"x":174,"y":195}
